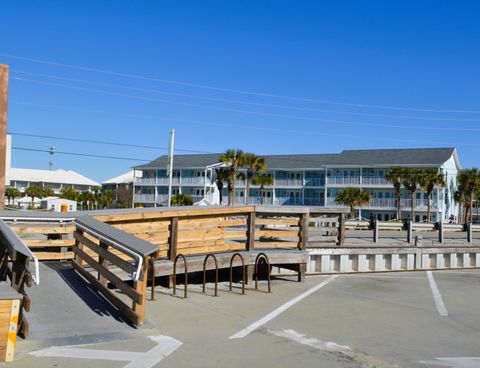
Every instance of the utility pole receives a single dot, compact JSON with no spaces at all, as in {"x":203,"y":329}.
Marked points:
{"x":51,"y":152}
{"x":3,"y":130}
{"x":170,"y":166}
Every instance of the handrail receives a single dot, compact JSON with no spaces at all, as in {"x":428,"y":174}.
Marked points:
{"x":136,"y":275}
{"x":17,"y":245}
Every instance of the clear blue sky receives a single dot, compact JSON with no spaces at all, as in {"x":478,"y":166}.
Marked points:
{"x":421,"y":55}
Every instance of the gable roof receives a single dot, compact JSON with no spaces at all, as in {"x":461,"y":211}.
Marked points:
{"x":377,"y":157}
{"x":121,"y":179}
{"x":50,"y":176}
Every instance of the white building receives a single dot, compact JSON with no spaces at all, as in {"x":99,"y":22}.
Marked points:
{"x":58,"y":204}
{"x":55,"y":179}
{"x":312,"y":179}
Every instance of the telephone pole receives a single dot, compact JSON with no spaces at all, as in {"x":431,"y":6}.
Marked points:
{"x":170,"y":166}
{"x":51,"y":152}
{"x":3,"y":130}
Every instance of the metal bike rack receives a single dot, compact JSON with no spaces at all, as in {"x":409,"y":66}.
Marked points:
{"x":205,"y":272}
{"x":152,"y":279}
{"x":243,"y":271}
{"x":262,"y":257}
{"x":175,"y":275}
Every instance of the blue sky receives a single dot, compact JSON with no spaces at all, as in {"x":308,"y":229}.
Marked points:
{"x":415,"y":64}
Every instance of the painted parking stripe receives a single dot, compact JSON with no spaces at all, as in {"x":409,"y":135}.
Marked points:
{"x":442,"y":310}
{"x":246,"y":331}
{"x":166,"y":346}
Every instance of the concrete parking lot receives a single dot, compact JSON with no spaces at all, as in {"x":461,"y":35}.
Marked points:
{"x":414,"y":319}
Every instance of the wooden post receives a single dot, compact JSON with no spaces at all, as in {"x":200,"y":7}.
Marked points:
{"x":409,"y":231}
{"x":250,"y":245}
{"x":341,"y":229}
{"x":469,"y":232}
{"x":304,"y":222}
{"x":141,"y":287}
{"x":172,"y":250}
{"x":375,"y":231}
{"x":3,"y":130}
{"x":440,"y":231}
{"x":104,"y":263}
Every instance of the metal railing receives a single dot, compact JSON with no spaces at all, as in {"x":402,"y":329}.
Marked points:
{"x":371,"y":180}
{"x":344,"y":180}
{"x":289,"y":182}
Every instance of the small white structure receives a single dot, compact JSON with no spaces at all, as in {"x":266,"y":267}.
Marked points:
{"x":26,"y":202}
{"x":58,"y":204}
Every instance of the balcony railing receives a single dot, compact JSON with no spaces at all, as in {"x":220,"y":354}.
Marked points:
{"x":288,"y":182}
{"x":145,"y":181}
{"x":198,"y":180}
{"x":175,"y":181}
{"x":391,"y":203}
{"x":374,"y":181}
{"x":139,"y":198}
{"x":344,"y":180}
{"x":314,"y":182}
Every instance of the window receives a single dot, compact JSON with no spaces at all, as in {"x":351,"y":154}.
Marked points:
{"x":70,"y":207}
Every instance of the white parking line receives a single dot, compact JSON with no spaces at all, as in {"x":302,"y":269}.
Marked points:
{"x":241,"y":334}
{"x":442,"y":310}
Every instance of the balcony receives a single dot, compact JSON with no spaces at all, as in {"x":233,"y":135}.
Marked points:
{"x":315,"y":182}
{"x":193,"y":180}
{"x":142,"y":198}
{"x":288,"y":182}
{"x":145,"y":181}
{"x":366,"y":180}
{"x":343,"y":180}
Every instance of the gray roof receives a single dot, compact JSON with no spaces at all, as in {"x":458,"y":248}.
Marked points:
{"x":378,"y":157}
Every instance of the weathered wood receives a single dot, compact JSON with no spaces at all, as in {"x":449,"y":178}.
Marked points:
{"x":276,"y":244}
{"x":141,"y":288}
{"x":174,"y":213}
{"x":303,"y":232}
{"x":278,"y":233}
{"x":104,"y":253}
{"x":54,"y":256}
{"x":46,"y":243}
{"x":131,"y":315}
{"x":341,"y":229}
{"x":114,"y":279}
{"x":276,"y":221}
{"x":173,"y":238}
{"x":30,"y":229}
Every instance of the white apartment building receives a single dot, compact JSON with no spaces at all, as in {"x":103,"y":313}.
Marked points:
{"x":312,"y":180}
{"x":55,"y":179}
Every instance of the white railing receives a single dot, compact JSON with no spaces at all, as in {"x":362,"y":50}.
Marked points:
{"x":374,"y":181}
{"x":288,"y":182}
{"x":314,"y":182}
{"x":341,"y":180}
{"x":143,"y":198}
{"x":165,"y":181}
{"x":145,"y":181}
{"x":162,"y":198}
{"x":199,"y":180}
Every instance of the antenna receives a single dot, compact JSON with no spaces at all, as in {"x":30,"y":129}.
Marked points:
{"x":51,"y":152}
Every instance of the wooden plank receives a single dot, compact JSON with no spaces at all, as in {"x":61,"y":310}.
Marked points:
{"x":114,"y":279}
{"x":143,"y":227}
{"x":115,"y":259}
{"x":54,"y":256}
{"x":29,"y":229}
{"x":215,"y":222}
{"x":198,"y":244}
{"x":278,"y":233}
{"x":110,"y":296}
{"x":209,"y":234}
{"x":212,"y":249}
{"x":279,"y":244}
{"x":175,"y":213}
{"x":303,"y":231}
{"x":12,"y":330}
{"x":141,"y":288}
{"x":45,"y":243}
{"x":277,"y":221}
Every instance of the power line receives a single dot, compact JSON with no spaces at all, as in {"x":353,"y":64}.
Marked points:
{"x":297,"y":108}
{"x":99,"y":142}
{"x":80,"y":154}
{"x":229,"y":90}
{"x":292,"y":117}
{"x":259,"y":128}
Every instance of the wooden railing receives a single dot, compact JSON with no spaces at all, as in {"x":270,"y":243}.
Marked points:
{"x":100,"y":249}
{"x":195,"y":230}
{"x":16,"y":268}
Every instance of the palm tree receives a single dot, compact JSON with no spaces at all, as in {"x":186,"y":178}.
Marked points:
{"x":254,"y":165}
{"x":234,"y":160}
{"x":69,"y":193}
{"x":182,"y":200}
{"x":85,"y":198}
{"x":395,"y":176}
{"x":33,"y":192}
{"x":11,"y":194}
{"x":47,"y":192}
{"x":411,"y":181}
{"x":222,"y":178}
{"x":353,"y":197}
{"x":429,"y":179}
{"x":107,"y":198}
{"x":262,"y":180}
{"x":468,"y":185}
